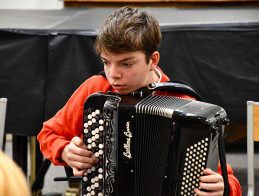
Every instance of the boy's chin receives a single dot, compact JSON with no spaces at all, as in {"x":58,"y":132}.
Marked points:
{"x":124,"y":92}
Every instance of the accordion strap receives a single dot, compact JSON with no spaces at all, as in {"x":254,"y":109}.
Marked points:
{"x":222,"y":159}
{"x":175,"y":86}
{"x":171,"y":86}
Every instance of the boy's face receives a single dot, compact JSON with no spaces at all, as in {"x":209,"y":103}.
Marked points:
{"x":128,"y":71}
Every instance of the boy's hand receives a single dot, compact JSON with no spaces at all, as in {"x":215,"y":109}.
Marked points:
{"x":76,"y":155}
{"x":212,"y":182}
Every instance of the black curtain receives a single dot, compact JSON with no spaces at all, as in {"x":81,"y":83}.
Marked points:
{"x":39,"y":72}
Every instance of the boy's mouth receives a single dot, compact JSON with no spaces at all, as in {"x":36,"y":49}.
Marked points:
{"x":118,"y":87}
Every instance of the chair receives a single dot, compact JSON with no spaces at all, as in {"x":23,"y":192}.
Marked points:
{"x":3,"y":104}
{"x":252,"y":135}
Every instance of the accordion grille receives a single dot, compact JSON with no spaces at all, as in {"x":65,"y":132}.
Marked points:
{"x":160,"y":105}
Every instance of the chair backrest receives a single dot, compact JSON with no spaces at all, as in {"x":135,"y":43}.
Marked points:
{"x":256,"y":121}
{"x":252,"y":135}
{"x":3,"y":105}
{"x":253,"y":120}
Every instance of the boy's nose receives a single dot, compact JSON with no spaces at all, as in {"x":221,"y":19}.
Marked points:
{"x":114,"y":72}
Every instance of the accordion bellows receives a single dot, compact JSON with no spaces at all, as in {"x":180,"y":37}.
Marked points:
{"x":149,"y":146}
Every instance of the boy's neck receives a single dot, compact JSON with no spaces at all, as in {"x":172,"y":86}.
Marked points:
{"x":154,"y":78}
{"x":158,"y":75}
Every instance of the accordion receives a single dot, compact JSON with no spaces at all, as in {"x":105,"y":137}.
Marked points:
{"x":149,"y":145}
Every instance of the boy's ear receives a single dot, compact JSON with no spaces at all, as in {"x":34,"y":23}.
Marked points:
{"x":154,"y":60}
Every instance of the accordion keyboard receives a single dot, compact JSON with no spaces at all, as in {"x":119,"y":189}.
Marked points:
{"x":93,"y":179}
{"x":194,"y":164}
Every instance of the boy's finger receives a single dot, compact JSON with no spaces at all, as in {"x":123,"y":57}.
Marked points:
{"x":78,"y":142}
{"x":208,"y":171}
{"x":77,"y":172}
{"x":212,"y":178}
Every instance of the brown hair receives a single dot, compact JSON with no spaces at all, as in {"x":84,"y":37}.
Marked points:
{"x":129,"y":30}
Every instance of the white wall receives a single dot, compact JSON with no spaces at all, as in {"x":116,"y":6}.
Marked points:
{"x":31,"y":4}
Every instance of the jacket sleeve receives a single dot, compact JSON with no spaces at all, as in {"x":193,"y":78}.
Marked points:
{"x":234,"y":185}
{"x":58,"y":131}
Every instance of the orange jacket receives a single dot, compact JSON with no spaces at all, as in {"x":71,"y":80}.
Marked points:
{"x":234,"y":186}
{"x":68,"y":122}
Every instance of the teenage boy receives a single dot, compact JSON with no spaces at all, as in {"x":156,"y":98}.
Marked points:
{"x":128,"y":45}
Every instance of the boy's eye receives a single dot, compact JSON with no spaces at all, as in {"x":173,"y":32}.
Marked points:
{"x":105,"y":62}
{"x":127,"y":64}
